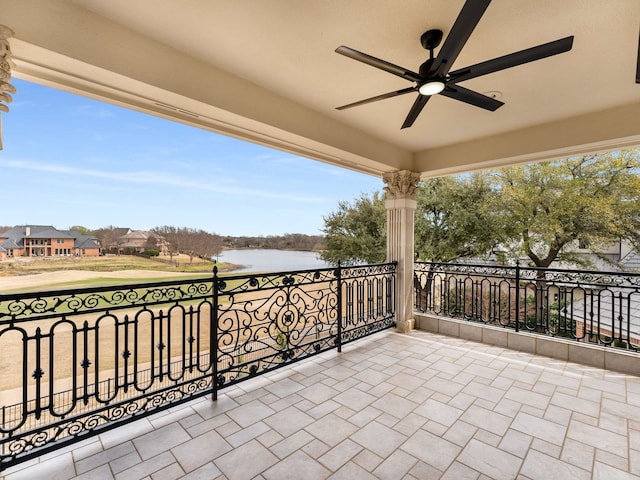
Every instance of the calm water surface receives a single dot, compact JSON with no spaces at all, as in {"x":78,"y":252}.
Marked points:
{"x":263,"y":260}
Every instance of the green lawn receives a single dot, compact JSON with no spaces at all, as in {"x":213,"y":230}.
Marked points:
{"x":109,"y":281}
{"x":107,"y":263}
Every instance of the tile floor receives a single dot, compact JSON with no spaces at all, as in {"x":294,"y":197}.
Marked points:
{"x":418,"y":406}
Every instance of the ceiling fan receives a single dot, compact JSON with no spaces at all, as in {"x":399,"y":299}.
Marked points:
{"x":434,"y":76}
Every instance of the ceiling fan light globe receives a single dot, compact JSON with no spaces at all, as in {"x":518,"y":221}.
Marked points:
{"x":431,"y":88}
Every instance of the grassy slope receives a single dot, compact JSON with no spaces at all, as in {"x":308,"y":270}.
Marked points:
{"x":107,"y":263}
{"x":166,"y":270}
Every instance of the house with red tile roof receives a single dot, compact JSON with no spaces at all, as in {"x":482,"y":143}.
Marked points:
{"x":46,"y":241}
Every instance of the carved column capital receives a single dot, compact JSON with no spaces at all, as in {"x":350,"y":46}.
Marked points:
{"x":5,"y":68}
{"x":401,"y":184}
{"x":6,"y":89}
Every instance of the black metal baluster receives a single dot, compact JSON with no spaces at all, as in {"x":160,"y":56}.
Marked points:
{"x":126,"y":353}
{"x":572,"y":324}
{"x":190,"y":338}
{"x":116,"y":358}
{"x":339,"y":292}
{"x":50,"y":396}
{"x":370,"y":310}
{"x":517,"y":299}
{"x":360,"y":300}
{"x":152,"y":350}
{"x":620,"y":318}
{"x":136,"y":345}
{"x":379,"y":297}
{"x":628,"y":333}
{"x":160,"y":345}
{"x":391,"y":288}
{"x":96,"y":352}
{"x":38,"y":373}
{"x":86,"y":363}
{"x":591,"y":314}
{"x":25,"y":367}
{"x":198,"y":346}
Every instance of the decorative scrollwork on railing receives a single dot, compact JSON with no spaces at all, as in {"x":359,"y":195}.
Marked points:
{"x":256,"y":282}
{"x":66,"y":430}
{"x":588,"y":278}
{"x":27,"y":306}
{"x":465,"y":269}
{"x":261,"y":327}
{"x":359,"y":271}
{"x":96,"y":356}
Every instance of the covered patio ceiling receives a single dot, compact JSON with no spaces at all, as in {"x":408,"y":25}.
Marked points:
{"x":266,"y":71}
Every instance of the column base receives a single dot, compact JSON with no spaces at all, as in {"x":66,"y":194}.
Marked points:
{"x":406,"y":326}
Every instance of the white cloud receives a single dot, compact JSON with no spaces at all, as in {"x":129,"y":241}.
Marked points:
{"x":154,"y":178}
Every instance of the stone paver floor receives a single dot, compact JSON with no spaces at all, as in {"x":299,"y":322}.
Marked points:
{"x":418,"y":406}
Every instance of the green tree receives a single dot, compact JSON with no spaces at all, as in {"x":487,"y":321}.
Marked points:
{"x":356,"y":232}
{"x":453,"y":219}
{"x":540,"y":211}
{"x":545,"y":209}
{"x":81,"y":229}
{"x":151,"y":242}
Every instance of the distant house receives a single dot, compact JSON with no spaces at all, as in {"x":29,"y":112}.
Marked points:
{"x":134,"y":241}
{"x":46,"y":241}
{"x":619,"y":255}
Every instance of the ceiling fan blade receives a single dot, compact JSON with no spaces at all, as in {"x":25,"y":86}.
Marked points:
{"x":638,"y":64}
{"x":378,"y":63}
{"x":416,"y":108}
{"x":378,"y":97}
{"x":513,"y":59}
{"x":473,"y":98}
{"x":464,"y":25}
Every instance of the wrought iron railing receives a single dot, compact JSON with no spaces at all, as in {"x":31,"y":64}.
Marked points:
{"x":75,"y":363}
{"x":587,"y":306}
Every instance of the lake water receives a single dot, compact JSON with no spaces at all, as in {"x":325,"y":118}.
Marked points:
{"x":264,"y":260}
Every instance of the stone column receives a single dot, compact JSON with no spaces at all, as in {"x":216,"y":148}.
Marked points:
{"x":401,"y":206}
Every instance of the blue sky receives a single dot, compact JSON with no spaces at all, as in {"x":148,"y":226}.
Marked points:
{"x":70,"y":160}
